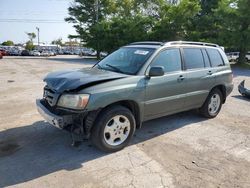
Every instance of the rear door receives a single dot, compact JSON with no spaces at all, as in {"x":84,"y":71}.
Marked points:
{"x":222,"y":72}
{"x":199,"y":76}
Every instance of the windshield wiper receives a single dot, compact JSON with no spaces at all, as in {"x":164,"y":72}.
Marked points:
{"x":99,"y":66}
{"x":115,"y":68}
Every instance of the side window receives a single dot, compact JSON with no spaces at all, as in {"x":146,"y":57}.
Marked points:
{"x":170,"y":59}
{"x":215,"y":57}
{"x":206,"y":59}
{"x":193,"y":58}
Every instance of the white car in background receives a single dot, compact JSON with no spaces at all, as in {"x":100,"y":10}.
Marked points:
{"x":234,"y":56}
{"x":35,"y":53}
{"x":45,"y":53}
{"x":51,"y":53}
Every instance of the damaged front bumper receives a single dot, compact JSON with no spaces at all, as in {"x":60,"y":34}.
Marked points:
{"x":59,"y":121}
{"x":77,"y":122}
{"x":244,"y":91}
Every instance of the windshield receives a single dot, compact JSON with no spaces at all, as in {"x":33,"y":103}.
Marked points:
{"x":127,"y":60}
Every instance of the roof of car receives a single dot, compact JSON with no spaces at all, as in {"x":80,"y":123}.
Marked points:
{"x":143,"y":46}
{"x":156,"y":44}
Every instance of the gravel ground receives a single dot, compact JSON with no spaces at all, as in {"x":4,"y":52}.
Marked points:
{"x":183,"y":150}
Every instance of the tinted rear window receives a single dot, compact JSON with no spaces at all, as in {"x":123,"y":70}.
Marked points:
{"x":215,"y":57}
{"x":206,"y":59}
{"x":193,"y":58}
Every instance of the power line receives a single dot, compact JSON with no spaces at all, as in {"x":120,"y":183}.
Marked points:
{"x":32,"y":20}
{"x":5,"y":13}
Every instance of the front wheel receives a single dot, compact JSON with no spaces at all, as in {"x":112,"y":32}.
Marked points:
{"x":212,"y":105}
{"x":113,"y":129}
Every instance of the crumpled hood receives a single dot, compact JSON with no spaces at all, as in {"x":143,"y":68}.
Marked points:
{"x":72,"y":79}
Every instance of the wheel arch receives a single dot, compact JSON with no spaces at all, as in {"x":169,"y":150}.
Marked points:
{"x":222,"y":88}
{"x":132,"y":106}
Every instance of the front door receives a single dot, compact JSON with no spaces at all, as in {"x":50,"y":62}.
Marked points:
{"x":165,"y":94}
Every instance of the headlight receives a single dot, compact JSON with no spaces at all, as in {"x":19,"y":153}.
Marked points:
{"x":73,"y":101}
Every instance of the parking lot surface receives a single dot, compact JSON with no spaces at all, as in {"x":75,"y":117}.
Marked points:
{"x":183,"y":150}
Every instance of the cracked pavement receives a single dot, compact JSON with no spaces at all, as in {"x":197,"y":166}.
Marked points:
{"x":182,"y":150}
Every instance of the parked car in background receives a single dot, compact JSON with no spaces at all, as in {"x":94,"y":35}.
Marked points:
{"x":103,"y":54}
{"x":35,"y":53}
{"x":15,"y":52}
{"x":136,"y":83}
{"x":248,"y":56}
{"x":25,"y":53}
{"x":1,"y":56}
{"x":88,"y":52}
{"x":51,"y":53}
{"x":4,"y":52}
{"x":234,"y":56}
{"x":45,"y":53}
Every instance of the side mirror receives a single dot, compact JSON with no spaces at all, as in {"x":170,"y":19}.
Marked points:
{"x":156,"y":71}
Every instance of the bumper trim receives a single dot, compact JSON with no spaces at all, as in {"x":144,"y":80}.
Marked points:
{"x":55,"y":120}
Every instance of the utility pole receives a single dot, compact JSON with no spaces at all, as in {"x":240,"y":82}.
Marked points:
{"x":38,"y":31}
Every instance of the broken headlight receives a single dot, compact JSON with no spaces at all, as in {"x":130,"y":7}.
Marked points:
{"x":72,"y":101}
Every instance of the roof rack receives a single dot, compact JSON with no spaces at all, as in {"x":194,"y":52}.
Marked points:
{"x":191,"y":43}
{"x":174,"y":43}
{"x":147,"y":43}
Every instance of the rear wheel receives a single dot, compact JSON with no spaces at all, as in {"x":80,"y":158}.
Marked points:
{"x":212,"y":105}
{"x":113,"y":129}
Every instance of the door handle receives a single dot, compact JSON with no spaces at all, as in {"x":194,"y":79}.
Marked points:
{"x":181,"y":78}
{"x":209,"y":73}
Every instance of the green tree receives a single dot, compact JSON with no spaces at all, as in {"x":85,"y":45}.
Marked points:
{"x":98,"y":22}
{"x":57,"y":42}
{"x":8,"y":43}
{"x":84,"y":14}
{"x":175,"y":20}
{"x":31,"y":36}
{"x":233,"y":18}
{"x":119,"y":31}
{"x":29,"y":46}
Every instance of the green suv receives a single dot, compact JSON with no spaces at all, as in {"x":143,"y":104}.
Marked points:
{"x":136,"y":83}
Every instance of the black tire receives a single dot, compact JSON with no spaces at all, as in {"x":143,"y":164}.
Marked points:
{"x":97,"y":134}
{"x":205,"y":111}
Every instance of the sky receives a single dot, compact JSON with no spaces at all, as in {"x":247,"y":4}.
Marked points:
{"x":20,"y":16}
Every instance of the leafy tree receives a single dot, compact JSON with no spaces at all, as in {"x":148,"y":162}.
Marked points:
{"x":84,"y":14}
{"x":57,"y":42}
{"x":31,"y":36}
{"x":203,"y":25}
{"x":29,"y":46}
{"x":119,"y":31}
{"x":105,"y":25}
{"x":8,"y":43}
{"x":94,"y":21}
{"x":175,"y":20}
{"x":235,"y":25}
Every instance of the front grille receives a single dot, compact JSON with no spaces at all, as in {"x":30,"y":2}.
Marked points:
{"x":50,"y":96}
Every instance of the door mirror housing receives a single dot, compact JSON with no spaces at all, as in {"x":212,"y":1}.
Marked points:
{"x":156,"y":71}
